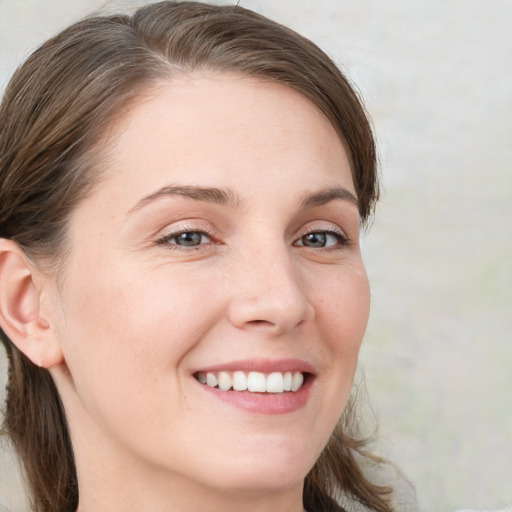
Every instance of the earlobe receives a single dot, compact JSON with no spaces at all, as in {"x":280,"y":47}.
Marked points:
{"x":20,"y":308}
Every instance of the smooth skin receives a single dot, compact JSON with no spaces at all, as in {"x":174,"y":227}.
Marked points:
{"x":163,"y":279}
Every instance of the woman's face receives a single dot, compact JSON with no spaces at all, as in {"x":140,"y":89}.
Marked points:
{"x":222,"y":245}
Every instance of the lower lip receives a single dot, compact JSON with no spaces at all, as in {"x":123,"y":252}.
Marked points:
{"x":264,"y":403}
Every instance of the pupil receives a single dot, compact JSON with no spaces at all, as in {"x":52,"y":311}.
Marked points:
{"x":315,"y":240}
{"x":189,"y":239}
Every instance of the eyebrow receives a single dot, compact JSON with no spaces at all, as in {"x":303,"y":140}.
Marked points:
{"x":206,"y":194}
{"x":230,"y":198}
{"x":325,"y":196}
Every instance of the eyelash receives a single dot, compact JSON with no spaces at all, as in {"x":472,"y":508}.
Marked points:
{"x":342,"y":240}
{"x":166,"y":239}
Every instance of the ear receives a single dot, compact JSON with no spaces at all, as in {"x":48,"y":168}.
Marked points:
{"x":21,"y":288}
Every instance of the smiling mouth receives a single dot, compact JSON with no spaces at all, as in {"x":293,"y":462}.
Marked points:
{"x":253,"y":382}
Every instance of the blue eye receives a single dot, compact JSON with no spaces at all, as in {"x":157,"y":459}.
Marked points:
{"x":186,"y":239}
{"x":321,"y":240}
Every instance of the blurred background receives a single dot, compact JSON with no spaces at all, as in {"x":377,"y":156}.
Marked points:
{"x":436,"y":76}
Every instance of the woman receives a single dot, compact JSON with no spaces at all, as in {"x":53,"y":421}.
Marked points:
{"x":182,"y":294}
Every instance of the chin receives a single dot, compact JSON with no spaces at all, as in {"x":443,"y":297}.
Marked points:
{"x":266,"y":468}
{"x":264,"y":479}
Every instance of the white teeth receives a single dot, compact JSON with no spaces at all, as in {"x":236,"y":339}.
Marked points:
{"x":239,"y":381}
{"x":225,"y":382}
{"x":288,"y":381}
{"x":297,"y":381}
{"x":275,"y":383}
{"x":255,"y":382}
{"x":211,"y":380}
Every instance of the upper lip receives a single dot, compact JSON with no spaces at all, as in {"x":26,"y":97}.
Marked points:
{"x":261,"y":365}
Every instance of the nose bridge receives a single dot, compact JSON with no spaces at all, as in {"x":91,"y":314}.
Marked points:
{"x":270,"y":293}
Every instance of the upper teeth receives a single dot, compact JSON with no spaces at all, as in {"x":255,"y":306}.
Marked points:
{"x":256,"y":382}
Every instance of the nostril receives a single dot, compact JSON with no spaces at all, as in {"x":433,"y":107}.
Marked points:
{"x":260,"y":322}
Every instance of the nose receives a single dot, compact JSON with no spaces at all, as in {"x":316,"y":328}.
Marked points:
{"x":269,"y":295}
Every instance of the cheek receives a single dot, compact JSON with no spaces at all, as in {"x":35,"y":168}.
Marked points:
{"x":341,"y":314}
{"x":125,"y":337}
{"x":129,"y":324}
{"x":343,"y":311}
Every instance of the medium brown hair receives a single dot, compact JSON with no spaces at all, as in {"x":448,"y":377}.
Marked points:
{"x":54,"y":118}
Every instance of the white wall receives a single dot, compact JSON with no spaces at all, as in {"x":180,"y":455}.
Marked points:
{"x":437,"y":78}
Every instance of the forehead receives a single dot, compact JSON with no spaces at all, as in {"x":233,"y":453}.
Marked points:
{"x":197,"y":115}
{"x":222,"y":130}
